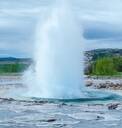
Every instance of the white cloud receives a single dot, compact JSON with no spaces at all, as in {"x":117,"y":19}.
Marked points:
{"x":18,"y":19}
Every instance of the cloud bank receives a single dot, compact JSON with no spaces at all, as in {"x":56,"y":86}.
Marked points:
{"x":100,"y":21}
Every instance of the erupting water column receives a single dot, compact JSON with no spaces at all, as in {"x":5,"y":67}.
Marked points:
{"x":58,"y":57}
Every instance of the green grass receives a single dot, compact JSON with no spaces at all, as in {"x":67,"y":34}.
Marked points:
{"x":107,"y":66}
{"x":12,"y":68}
{"x":119,"y":74}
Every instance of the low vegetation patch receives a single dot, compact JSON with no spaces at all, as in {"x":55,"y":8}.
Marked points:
{"x":13,"y":68}
{"x":107,"y":66}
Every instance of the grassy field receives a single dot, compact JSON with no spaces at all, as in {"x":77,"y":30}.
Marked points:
{"x":12,"y":68}
{"x":111,"y":66}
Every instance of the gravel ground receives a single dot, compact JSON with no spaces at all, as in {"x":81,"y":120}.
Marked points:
{"x":104,"y":83}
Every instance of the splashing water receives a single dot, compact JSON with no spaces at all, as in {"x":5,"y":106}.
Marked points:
{"x":58,"y":57}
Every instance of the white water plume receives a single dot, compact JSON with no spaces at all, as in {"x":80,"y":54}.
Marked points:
{"x":58,"y":56}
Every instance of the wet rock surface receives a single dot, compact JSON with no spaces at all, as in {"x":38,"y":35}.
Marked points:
{"x":49,"y":115}
{"x":21,"y":113}
{"x":113,"y":106}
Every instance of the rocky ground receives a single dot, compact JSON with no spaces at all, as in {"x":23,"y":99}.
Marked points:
{"x":22,"y":114}
{"x":109,"y":83}
{"x":42,"y":114}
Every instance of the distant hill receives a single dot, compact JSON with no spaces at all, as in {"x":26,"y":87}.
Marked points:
{"x":7,"y":60}
{"x":14,"y":59}
{"x":89,"y":55}
{"x":98,"y":53}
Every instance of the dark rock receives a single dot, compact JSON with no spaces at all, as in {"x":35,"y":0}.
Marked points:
{"x":99,"y":118}
{"x":51,"y":120}
{"x":113,"y":106}
{"x":88,"y":84}
{"x":101,"y":86}
{"x":7,"y":99}
{"x":47,"y":120}
{"x":62,"y":104}
{"x":40,"y":102}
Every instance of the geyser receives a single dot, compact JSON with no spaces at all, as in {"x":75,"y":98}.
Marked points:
{"x":58,"y":57}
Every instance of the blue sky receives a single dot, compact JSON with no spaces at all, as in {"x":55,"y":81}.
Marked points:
{"x":101,"y":21}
